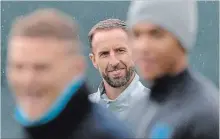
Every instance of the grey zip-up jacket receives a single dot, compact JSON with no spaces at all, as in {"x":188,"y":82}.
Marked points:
{"x":121,"y":105}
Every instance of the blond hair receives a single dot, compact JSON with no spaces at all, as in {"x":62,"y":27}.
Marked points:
{"x":45,"y":23}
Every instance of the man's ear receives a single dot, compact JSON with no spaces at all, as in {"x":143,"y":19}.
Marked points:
{"x":92,"y":58}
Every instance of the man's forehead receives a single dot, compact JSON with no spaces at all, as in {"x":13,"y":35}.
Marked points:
{"x":147,"y":26}
{"x":108,"y":35}
{"x":112,"y":47}
{"x":110,"y":44}
{"x":41,"y":44}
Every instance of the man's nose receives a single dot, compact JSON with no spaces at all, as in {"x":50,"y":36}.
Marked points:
{"x":143,"y":44}
{"x":113,"y":59}
{"x":29,"y":77}
{"x":141,"y":47}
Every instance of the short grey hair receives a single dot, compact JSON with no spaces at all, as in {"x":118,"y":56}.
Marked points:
{"x":107,"y":24}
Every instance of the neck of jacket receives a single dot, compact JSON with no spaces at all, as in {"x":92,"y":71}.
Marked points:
{"x":67,"y":121}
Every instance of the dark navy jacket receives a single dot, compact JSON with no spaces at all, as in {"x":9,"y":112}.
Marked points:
{"x":184,"y":106}
{"x":80,"y":119}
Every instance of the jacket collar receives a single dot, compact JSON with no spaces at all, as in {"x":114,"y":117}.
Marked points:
{"x":67,"y":121}
{"x":167,"y":86}
{"x":57,"y":106}
{"x":123,"y":96}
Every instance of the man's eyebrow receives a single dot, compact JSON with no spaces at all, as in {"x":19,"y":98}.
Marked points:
{"x":158,"y":29}
{"x":103,"y":51}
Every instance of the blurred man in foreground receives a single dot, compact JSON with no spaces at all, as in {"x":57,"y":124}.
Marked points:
{"x":182,"y":104}
{"x":111,"y":55}
{"x":46,"y":74}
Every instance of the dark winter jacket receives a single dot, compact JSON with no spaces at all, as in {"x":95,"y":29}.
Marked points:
{"x":180,"y":107}
{"x":80,"y":119}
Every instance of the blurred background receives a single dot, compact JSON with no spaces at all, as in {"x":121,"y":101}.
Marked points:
{"x":204,"y":58}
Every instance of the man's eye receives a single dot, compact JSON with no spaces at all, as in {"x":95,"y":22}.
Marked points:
{"x":157,"y":34}
{"x":19,"y":66}
{"x":136,"y":34}
{"x":103,"y":54}
{"x":16,"y":66}
{"x":120,"y":50}
{"x":41,"y":67}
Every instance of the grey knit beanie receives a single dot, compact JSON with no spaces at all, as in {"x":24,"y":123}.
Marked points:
{"x":176,"y":16}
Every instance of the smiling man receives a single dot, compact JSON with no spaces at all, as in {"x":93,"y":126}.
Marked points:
{"x":45,"y":71}
{"x":112,"y":57}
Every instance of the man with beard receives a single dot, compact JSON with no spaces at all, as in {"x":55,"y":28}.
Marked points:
{"x":182,"y":104}
{"x":112,"y":57}
{"x":46,"y":72}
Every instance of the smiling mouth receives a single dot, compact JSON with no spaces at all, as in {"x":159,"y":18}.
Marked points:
{"x":116,"y":73}
{"x":117,"y":70}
